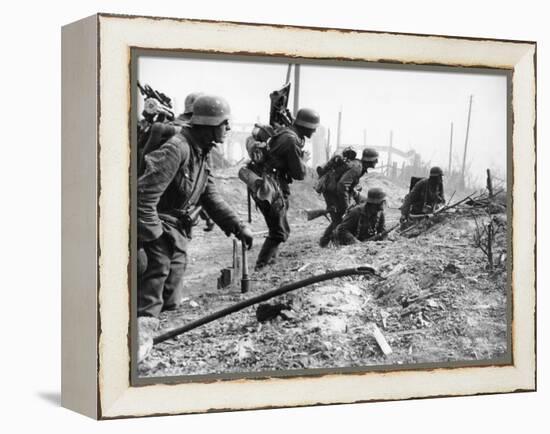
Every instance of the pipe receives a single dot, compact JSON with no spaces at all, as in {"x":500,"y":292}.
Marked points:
{"x":366,"y":269}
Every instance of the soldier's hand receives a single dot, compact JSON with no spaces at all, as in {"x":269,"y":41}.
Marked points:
{"x":245,"y":235}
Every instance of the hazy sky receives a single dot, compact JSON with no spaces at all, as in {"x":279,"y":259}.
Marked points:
{"x":417,"y":106}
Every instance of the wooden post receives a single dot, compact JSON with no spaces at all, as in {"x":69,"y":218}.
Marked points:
{"x":296,"y":88}
{"x":466,"y":142}
{"x":288,"y":73}
{"x":490,"y":244}
{"x":450,"y":151}
{"x":489,"y":184}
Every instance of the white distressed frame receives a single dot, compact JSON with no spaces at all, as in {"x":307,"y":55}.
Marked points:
{"x":115,"y":397}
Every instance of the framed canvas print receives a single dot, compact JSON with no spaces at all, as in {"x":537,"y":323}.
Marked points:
{"x":262,"y":216}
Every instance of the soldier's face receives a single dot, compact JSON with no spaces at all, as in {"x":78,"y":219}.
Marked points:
{"x":308,"y":132}
{"x":370,"y":164}
{"x":221,"y":131}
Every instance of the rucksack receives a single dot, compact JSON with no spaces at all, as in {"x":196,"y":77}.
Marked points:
{"x":330,"y":174}
{"x":159,"y":133}
{"x":257,"y":144}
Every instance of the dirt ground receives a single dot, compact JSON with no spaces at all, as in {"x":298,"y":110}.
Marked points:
{"x":433,"y":298}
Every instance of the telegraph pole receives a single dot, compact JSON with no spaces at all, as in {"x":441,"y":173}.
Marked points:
{"x":296,"y":88}
{"x":466,"y":141}
{"x":339,"y":131}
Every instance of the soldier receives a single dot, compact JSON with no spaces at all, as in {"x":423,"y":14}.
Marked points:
{"x":284,"y":163}
{"x":425,"y":195}
{"x":190,"y":99}
{"x":363,"y":221}
{"x":339,"y":193}
{"x":176,"y":182}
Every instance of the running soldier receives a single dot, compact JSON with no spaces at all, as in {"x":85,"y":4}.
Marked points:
{"x":175,"y":184}
{"x":284,"y":163}
{"x":363,"y":221}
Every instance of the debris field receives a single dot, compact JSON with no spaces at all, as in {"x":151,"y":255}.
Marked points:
{"x":433,"y":298}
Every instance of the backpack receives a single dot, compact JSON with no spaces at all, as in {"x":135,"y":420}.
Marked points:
{"x":330,"y":174}
{"x":257,"y":144}
{"x":158,"y":134}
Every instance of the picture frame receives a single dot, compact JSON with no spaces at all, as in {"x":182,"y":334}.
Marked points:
{"x":97,"y":245}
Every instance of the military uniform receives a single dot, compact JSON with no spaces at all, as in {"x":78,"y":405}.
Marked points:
{"x":284,"y":164}
{"x":339,"y":200}
{"x":422,"y":194}
{"x":359,"y":224}
{"x":175,"y":181}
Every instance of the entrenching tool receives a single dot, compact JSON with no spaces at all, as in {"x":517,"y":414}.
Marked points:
{"x":245,"y":281}
{"x":361,"y":270}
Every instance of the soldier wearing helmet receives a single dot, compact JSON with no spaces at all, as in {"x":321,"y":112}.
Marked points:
{"x":363,"y":221}
{"x":175,"y":183}
{"x":340,"y":191}
{"x":284,"y":164}
{"x":425,"y":195}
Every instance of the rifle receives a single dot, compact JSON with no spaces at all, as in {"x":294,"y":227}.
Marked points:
{"x":156,"y":104}
{"x":312,"y":214}
{"x":435,"y":213}
{"x":383,"y":234}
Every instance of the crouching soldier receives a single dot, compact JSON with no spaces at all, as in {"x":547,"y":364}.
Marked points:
{"x":340,"y":191}
{"x":283,"y":164}
{"x":175,"y":184}
{"x":425,"y":196}
{"x":363,"y":221}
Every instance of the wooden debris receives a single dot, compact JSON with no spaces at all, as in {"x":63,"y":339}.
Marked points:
{"x":380,"y":339}
{"x":303,"y":267}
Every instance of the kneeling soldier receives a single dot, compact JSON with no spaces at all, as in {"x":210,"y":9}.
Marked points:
{"x":425,"y":195}
{"x":363,"y":221}
{"x":340,"y":192}
{"x":175,"y":184}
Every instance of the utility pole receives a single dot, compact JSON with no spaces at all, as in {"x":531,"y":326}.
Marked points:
{"x":450,"y":151}
{"x":466,"y":141}
{"x":296,"y":88}
{"x":327,"y":147}
{"x":388,"y":165}
{"x":288,"y":73}
{"x":339,"y":131}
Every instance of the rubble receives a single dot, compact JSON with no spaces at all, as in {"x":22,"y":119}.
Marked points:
{"x":432,"y":300}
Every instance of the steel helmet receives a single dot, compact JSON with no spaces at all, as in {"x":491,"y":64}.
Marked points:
{"x":376,"y":195}
{"x":307,"y":118}
{"x":369,"y":154}
{"x":189,"y":101}
{"x":436,"y":171}
{"x":210,"y":110}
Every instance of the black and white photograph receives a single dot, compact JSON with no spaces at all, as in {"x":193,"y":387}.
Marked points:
{"x":299,"y":217}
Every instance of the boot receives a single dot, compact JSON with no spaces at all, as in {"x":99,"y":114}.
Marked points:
{"x":327,"y":236}
{"x":267,"y":253}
